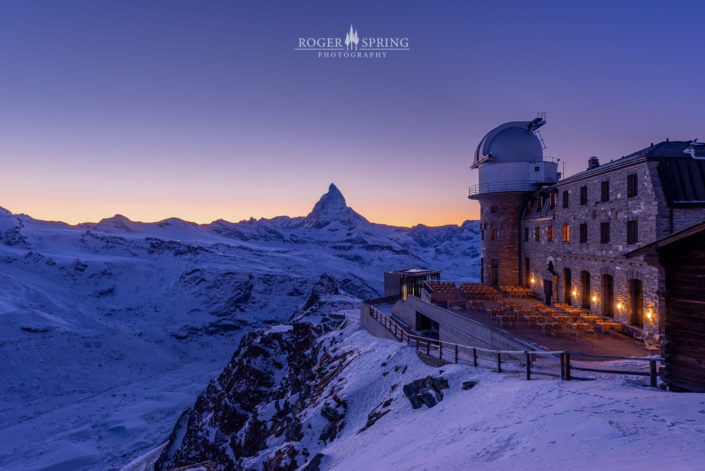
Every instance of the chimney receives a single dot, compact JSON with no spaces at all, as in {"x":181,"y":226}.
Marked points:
{"x":593,"y":162}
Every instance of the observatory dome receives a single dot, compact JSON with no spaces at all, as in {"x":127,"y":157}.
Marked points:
{"x":511,"y":142}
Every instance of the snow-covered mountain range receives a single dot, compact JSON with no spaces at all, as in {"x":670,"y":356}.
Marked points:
{"x":109,"y":330}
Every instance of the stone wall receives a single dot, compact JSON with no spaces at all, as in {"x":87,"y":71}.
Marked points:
{"x":655,"y":217}
{"x":501,"y":212}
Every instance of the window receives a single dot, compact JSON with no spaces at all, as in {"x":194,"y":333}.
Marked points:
{"x":526,"y":234}
{"x":632,"y":185}
{"x":550,"y":233}
{"x":565,"y":199}
{"x":493,"y":209}
{"x":566,"y":233}
{"x":632,"y":232}
{"x":539,"y":204}
{"x":552,"y":203}
{"x":583,"y":195}
{"x":636,"y":303}
{"x":583,"y":233}
{"x":494,"y":271}
{"x":482,"y":234}
{"x":604,"y":232}
{"x":605,"y":191}
{"x":537,"y":234}
{"x":494,"y":234}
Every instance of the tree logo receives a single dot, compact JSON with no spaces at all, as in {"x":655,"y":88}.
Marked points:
{"x":351,"y":39}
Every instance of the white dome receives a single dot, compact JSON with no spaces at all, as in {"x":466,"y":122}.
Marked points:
{"x":511,"y":142}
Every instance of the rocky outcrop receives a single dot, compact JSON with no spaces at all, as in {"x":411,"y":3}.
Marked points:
{"x":427,"y":391}
{"x":267,"y":404}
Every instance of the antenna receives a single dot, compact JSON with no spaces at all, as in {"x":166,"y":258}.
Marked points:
{"x":542,"y":116}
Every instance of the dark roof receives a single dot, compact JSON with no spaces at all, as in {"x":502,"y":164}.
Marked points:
{"x":682,"y":176}
{"x":683,"y":179}
{"x":668,"y":240}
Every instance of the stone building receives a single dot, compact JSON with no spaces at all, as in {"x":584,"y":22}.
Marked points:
{"x":566,"y":238}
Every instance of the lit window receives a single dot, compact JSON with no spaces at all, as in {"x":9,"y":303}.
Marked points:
{"x":566,"y":233}
{"x":550,"y":233}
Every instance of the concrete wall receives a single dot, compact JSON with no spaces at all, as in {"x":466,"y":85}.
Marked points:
{"x":456,"y":328}
{"x":371,"y":324}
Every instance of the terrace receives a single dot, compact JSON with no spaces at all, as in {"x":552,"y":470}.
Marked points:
{"x":559,"y":327}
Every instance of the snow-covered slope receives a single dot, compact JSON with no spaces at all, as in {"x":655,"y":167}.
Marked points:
{"x":108,"y":330}
{"x":326,"y":395}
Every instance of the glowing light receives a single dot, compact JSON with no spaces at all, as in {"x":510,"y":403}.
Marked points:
{"x":649,"y":315}
{"x":594,"y":299}
{"x":575,"y":292}
{"x":619,"y":306}
{"x":533,"y":280}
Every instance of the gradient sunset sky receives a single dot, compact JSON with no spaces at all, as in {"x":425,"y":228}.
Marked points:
{"x":203,"y":110}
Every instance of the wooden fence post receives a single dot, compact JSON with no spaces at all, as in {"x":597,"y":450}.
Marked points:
{"x":652,"y":364}
{"x":499,"y":362}
{"x":528,"y":366}
{"x":456,"y":353}
{"x":562,"y":365}
{"x":474,"y":357}
{"x":567,"y":366}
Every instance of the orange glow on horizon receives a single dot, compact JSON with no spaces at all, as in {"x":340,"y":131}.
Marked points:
{"x":73,"y":211}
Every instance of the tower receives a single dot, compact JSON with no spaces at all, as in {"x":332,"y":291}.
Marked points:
{"x":510,"y":163}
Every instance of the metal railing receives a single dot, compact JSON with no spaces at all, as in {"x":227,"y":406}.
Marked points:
{"x":498,"y":187}
{"x":458,"y":353}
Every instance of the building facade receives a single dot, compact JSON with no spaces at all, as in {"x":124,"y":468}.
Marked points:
{"x":569,"y":240}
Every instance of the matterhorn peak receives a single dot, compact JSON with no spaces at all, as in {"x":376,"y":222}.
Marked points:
{"x":332,"y":208}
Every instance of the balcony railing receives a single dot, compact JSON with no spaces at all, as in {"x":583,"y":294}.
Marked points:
{"x":497,"y":187}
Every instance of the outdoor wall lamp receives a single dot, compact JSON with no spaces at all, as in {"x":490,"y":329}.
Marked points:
{"x":594,"y":299}
{"x":619,"y":306}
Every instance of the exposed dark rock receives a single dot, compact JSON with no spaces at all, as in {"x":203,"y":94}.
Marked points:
{"x":287,"y":372}
{"x":377,"y":413}
{"x":325,"y":286}
{"x":427,"y":391}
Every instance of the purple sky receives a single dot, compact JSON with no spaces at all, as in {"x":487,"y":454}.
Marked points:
{"x":203,"y":110}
